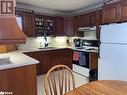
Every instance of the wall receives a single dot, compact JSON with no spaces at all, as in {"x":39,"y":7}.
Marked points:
{"x":39,"y":42}
{"x":54,"y":41}
{"x":90,"y":35}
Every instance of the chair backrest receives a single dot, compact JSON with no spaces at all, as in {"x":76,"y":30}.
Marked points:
{"x":59,"y":80}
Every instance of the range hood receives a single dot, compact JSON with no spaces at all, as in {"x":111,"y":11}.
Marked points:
{"x":87,"y":29}
{"x":83,"y":29}
{"x":10,"y":33}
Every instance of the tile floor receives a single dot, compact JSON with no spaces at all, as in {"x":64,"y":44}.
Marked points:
{"x":79,"y":80}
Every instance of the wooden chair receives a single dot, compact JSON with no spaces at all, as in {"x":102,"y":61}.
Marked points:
{"x":59,"y":80}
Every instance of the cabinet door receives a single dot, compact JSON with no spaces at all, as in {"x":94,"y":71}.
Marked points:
{"x":49,"y":25}
{"x":111,"y":13}
{"x":86,"y":20}
{"x":19,"y":81}
{"x":39,"y":25}
{"x":29,"y":24}
{"x":55,"y":57}
{"x":45,"y":61}
{"x":98,"y":17}
{"x":124,"y":10}
{"x":59,"y":26}
{"x":93,"y":60}
{"x":80,"y":20}
{"x":68,"y":26}
{"x":68,"y":57}
{"x":36,"y":55}
{"x":93,"y":18}
{"x":75,"y":25}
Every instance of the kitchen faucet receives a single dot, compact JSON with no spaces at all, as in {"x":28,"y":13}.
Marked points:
{"x":45,"y":38}
{"x":46,"y":43}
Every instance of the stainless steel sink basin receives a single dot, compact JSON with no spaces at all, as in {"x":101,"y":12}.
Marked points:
{"x":46,"y":47}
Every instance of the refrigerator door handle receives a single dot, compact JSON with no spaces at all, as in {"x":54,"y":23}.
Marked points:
{"x":99,"y":43}
{"x":99,"y":49}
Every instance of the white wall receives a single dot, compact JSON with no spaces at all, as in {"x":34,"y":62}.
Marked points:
{"x":90,"y":35}
{"x":39,"y":42}
{"x":54,"y":42}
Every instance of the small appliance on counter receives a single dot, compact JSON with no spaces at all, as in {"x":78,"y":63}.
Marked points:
{"x":77,"y":42}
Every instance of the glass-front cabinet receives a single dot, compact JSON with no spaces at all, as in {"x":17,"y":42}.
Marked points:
{"x":44,"y":25}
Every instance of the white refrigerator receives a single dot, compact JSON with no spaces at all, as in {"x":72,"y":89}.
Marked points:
{"x":112,"y":63}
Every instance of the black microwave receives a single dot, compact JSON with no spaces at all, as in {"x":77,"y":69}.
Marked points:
{"x":93,"y":43}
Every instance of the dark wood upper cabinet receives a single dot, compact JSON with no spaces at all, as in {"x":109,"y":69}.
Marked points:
{"x":89,"y":19}
{"x":111,"y":13}
{"x":44,"y":24}
{"x":115,"y":12}
{"x":35,"y":24}
{"x":123,"y":10}
{"x":39,"y":25}
{"x":49,"y":25}
{"x":28,"y":22}
{"x":98,"y":17}
{"x":84,"y":20}
{"x":80,"y":20}
{"x":59,"y":26}
{"x":68,"y":26}
{"x":93,"y":17}
{"x":75,"y":25}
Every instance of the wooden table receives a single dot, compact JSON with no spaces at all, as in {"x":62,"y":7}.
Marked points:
{"x":103,"y":87}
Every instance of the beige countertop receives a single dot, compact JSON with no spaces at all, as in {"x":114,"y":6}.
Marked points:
{"x":17,"y":59}
{"x":55,"y":48}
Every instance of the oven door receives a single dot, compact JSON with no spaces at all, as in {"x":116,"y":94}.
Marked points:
{"x":81,"y":62}
{"x":81,"y":70}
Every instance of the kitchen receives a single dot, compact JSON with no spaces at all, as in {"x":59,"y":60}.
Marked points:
{"x":54,"y":37}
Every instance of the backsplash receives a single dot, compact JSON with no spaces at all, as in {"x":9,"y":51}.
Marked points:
{"x":53,"y":42}
{"x":90,"y":35}
{"x":39,"y":42}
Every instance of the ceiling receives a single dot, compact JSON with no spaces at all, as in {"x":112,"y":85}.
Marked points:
{"x":61,"y":5}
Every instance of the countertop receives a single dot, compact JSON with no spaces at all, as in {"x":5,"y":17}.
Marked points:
{"x":55,"y":48}
{"x":17,"y":59}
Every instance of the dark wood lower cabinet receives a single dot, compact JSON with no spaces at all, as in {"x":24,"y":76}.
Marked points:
{"x":19,"y":81}
{"x":93,"y":60}
{"x":93,"y":74}
{"x":50,"y":58}
{"x":35,"y":55}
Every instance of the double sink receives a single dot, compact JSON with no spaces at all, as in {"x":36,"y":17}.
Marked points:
{"x":44,"y":48}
